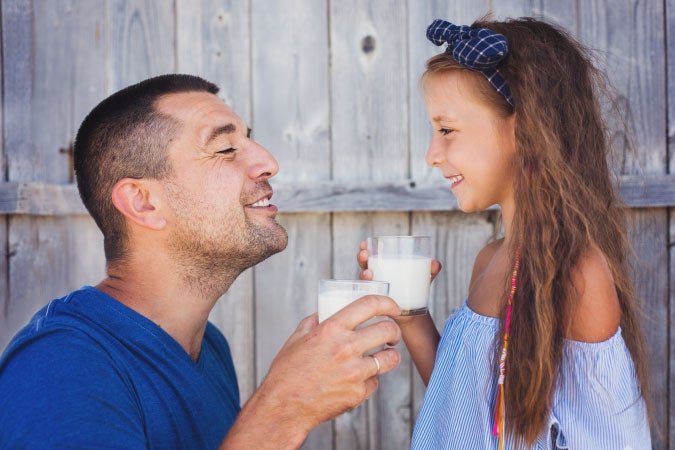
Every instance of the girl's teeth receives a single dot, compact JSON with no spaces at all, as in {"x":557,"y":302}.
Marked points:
{"x":456,"y":179}
{"x":263,"y":202}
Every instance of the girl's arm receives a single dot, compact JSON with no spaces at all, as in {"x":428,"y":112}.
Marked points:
{"x":419,"y":332}
{"x":421,"y":337}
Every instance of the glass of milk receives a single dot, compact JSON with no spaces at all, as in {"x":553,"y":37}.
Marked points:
{"x":336,"y":294}
{"x":405,"y":262}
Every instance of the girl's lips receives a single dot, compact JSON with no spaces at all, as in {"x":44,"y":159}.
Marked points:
{"x":455,"y":180}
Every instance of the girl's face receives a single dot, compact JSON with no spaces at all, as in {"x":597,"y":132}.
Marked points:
{"x":471,"y":144}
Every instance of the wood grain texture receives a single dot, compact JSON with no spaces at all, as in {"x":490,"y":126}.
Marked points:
{"x":49,"y":256}
{"x":41,"y":199}
{"x":649,"y":235}
{"x":331,"y":89}
{"x":384,"y":421}
{"x":669,"y":433}
{"x":142,"y":36}
{"x":629,"y":39}
{"x":213,"y":40}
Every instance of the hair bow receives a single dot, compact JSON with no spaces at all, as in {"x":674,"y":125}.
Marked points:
{"x":480,"y":50}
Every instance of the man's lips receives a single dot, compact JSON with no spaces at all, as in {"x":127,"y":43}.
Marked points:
{"x":263,"y":203}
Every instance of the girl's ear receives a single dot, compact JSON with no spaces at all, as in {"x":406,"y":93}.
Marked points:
{"x":139,"y":201}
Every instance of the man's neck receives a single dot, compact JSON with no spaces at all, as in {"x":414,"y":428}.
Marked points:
{"x":176,"y":303}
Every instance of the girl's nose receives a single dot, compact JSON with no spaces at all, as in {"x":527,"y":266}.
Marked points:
{"x":435,"y":153}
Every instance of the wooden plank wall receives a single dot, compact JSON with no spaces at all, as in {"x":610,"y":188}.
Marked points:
{"x":331,"y":88}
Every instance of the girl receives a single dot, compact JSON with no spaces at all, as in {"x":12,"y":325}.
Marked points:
{"x":547,"y":351}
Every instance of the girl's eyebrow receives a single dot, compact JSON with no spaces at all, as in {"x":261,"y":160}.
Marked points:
{"x":442,"y":118}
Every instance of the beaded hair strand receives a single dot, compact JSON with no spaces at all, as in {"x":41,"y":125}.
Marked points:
{"x":500,"y":413}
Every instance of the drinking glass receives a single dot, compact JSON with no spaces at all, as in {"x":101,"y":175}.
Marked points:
{"x":405,"y":262}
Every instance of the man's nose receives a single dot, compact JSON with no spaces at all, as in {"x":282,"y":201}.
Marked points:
{"x":264,"y":165}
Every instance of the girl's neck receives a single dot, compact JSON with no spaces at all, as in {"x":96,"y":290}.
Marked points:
{"x":508,"y":211}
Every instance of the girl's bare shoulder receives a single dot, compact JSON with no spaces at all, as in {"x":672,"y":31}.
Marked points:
{"x":486,"y":254}
{"x":597,"y":312}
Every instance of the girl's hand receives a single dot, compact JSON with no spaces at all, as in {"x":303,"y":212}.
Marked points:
{"x":367,"y":274}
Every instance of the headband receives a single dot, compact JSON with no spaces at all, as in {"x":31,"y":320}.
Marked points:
{"x":480,"y":50}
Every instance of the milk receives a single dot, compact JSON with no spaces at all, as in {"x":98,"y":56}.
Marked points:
{"x":331,"y":302}
{"x":409,"y":278}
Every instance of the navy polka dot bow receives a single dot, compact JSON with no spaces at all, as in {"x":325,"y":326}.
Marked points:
{"x":480,"y":50}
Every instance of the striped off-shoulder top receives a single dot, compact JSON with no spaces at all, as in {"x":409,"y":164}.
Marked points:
{"x":596,"y":405}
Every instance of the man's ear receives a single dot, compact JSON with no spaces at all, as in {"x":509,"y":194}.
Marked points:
{"x":139,"y":201}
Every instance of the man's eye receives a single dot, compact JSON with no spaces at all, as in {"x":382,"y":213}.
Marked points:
{"x":227,"y":151}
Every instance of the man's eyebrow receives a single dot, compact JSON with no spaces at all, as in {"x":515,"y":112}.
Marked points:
{"x":225,"y":129}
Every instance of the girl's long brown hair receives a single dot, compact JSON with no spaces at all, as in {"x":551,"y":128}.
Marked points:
{"x":565,"y":205}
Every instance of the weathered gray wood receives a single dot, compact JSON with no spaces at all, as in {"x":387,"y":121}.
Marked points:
{"x":4,"y":250}
{"x":234,"y":316}
{"x":369,"y":142}
{"x":41,"y":199}
{"x":286,"y":291}
{"x":45,"y":94}
{"x":649,"y":235}
{"x":669,"y":433}
{"x":291,"y":118}
{"x":631,"y":41}
{"x":350,"y":132}
{"x":16,"y":28}
{"x":142,"y":36}
{"x":384,"y":421}
{"x":213,"y":41}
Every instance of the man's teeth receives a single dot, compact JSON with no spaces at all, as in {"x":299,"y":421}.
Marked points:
{"x":263,"y":202}
{"x":456,"y":179}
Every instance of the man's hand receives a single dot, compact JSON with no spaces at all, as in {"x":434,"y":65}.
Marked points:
{"x":318,"y":374}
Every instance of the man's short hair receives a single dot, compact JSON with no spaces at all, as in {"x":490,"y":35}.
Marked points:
{"x":124,"y":136}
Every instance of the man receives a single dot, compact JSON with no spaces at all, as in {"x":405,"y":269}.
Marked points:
{"x":180,"y":191}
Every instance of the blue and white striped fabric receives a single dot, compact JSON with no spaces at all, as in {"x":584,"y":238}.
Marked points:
{"x":596,"y":404}
{"x":479,"y":49}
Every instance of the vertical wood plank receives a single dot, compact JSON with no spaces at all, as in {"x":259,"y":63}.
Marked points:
{"x":213,"y":41}
{"x":649,"y":233}
{"x":290,"y":117}
{"x":4,"y":220}
{"x":370,"y":136}
{"x":142,"y":37}
{"x":631,"y":41}
{"x":669,"y":432}
{"x":369,"y":101}
{"x":383,"y":422}
{"x":49,"y":256}
{"x":286,"y":291}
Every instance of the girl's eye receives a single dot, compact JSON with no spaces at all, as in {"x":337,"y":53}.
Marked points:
{"x":227,"y":151}
{"x":445,"y":131}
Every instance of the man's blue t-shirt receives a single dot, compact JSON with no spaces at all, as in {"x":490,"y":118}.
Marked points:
{"x":89,"y":372}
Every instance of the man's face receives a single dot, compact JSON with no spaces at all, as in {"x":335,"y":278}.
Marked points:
{"x":218,"y":193}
